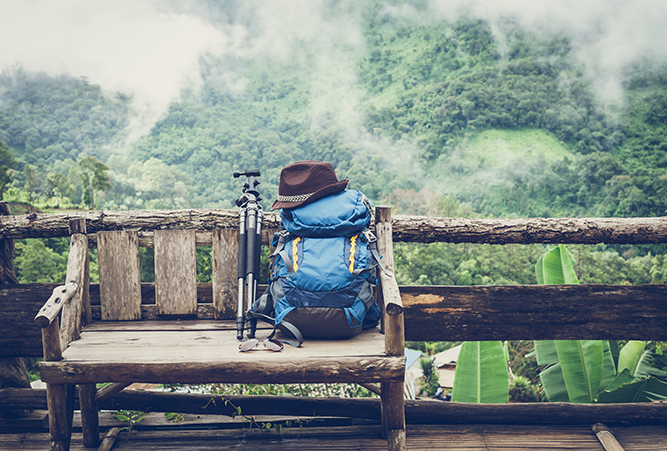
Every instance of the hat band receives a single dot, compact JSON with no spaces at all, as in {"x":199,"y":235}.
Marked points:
{"x":299,"y":198}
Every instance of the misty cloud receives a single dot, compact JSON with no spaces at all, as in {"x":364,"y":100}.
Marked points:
{"x":607,"y":35}
{"x":122,"y":45}
{"x":152,"y":49}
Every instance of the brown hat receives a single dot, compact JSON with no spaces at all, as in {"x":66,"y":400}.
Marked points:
{"x":304,"y":182}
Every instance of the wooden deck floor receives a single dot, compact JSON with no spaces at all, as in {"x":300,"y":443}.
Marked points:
{"x":367,"y":437}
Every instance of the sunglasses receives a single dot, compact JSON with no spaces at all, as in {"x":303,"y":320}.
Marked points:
{"x":270,"y":344}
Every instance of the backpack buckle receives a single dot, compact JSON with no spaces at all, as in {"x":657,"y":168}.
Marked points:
{"x":283,"y":237}
{"x":369,"y":237}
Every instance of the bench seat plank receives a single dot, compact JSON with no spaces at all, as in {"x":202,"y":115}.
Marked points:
{"x":157,"y":355}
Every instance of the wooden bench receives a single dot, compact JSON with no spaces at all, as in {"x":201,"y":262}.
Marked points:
{"x":177,"y":341}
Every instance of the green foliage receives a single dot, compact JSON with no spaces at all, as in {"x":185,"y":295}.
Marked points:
{"x":308,"y":390}
{"x":442,"y":95}
{"x":131,"y":417}
{"x":481,"y":373}
{"x":94,"y":178}
{"x":522,"y":390}
{"x":34,"y":261}
{"x":48,"y":119}
{"x":430,"y":383}
{"x":7,"y":162}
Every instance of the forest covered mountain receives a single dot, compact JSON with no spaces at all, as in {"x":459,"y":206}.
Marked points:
{"x":433,"y":115}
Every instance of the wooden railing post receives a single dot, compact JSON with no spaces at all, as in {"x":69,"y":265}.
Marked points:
{"x":393,"y":408}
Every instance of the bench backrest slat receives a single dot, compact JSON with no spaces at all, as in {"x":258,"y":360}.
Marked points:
{"x":225,"y":273}
{"x":175,"y":272}
{"x":120,"y":283}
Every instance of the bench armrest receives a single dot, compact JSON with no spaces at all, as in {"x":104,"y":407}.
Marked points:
{"x":393,"y":305}
{"x":72,"y":298}
{"x":55,"y":303}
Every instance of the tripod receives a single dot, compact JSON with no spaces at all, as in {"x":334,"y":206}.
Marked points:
{"x":250,"y":244}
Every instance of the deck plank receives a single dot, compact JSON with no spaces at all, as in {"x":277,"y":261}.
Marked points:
{"x":367,"y":437}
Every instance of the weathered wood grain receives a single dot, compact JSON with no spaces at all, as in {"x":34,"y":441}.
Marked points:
{"x":198,"y":356}
{"x":315,"y":370}
{"x":224,"y":276}
{"x":432,"y":313}
{"x":45,"y":225}
{"x":120,"y":286}
{"x":393,"y":414}
{"x":51,"y":341}
{"x":110,"y":390}
{"x":420,"y":411}
{"x":423,"y":229}
{"x":20,"y":335}
{"x":535,"y":312}
{"x":13,"y":372}
{"x":109,"y":439}
{"x":78,"y":227}
{"x":54,"y":304}
{"x":393,"y":325}
{"x":405,"y":228}
{"x":89,"y":416}
{"x":73,"y":311}
{"x":175,"y":272}
{"x":56,"y":395}
{"x":606,"y":438}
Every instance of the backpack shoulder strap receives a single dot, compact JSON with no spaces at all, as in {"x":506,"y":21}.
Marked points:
{"x":371,"y":240}
{"x":283,"y":237}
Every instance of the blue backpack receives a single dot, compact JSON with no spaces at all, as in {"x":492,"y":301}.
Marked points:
{"x":323,"y":277}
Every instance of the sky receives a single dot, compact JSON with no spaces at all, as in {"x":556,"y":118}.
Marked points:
{"x":152,"y":48}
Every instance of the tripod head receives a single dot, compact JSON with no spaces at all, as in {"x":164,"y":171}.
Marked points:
{"x":250,"y":192}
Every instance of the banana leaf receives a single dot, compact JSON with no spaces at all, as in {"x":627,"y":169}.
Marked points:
{"x":553,"y":268}
{"x":556,"y":267}
{"x":582,"y":363}
{"x":554,"y":384}
{"x":545,"y":351}
{"x":646,"y":390}
{"x":481,"y":373}
{"x":623,"y":378}
{"x":631,"y":355}
{"x":609,"y":373}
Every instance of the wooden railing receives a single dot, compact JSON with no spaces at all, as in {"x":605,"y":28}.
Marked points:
{"x":432,"y":313}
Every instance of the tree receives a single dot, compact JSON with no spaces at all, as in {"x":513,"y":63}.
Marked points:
{"x":7,"y":162}
{"x":94,"y":178}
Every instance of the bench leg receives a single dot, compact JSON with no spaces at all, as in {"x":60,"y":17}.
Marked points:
{"x":60,"y":401}
{"x":393,"y":415}
{"x":90,"y":422}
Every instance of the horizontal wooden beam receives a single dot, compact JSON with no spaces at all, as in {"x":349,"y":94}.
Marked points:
{"x":535,"y":312}
{"x":45,"y":225}
{"x":424,"y":229}
{"x":445,"y":412}
{"x":19,"y":304}
{"x":421,"y":229}
{"x":320,"y":370}
{"x":432,"y":313}
{"x":423,"y":411}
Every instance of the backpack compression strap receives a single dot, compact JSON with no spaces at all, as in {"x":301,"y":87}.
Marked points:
{"x":262,"y":307}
